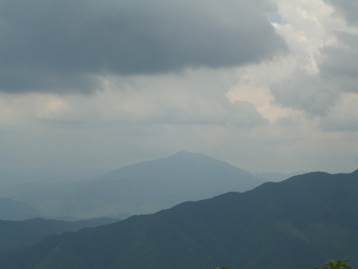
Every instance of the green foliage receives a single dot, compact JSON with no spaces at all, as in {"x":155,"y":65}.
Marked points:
{"x":229,"y":266}
{"x":292,"y":224}
{"x":341,"y":264}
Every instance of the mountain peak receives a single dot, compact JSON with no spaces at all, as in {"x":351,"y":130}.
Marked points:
{"x":185,"y":154}
{"x":193,"y":157}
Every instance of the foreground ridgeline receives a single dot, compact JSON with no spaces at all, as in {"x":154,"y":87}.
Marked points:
{"x":341,"y":264}
{"x":298,"y":223}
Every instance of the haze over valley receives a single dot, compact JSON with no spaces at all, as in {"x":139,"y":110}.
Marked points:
{"x":141,"y":188}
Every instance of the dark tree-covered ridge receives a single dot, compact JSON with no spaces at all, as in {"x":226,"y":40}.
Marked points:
{"x":298,"y":223}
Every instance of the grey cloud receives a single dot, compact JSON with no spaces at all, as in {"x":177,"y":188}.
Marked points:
{"x":305,"y":92}
{"x":310,"y":93}
{"x":341,"y":63}
{"x":338,"y":72}
{"x":65,"y":45}
{"x":209,"y":112}
{"x":339,"y":125}
{"x":244,"y":114}
{"x":316,"y":94}
{"x":239,"y":115}
{"x":347,"y":8}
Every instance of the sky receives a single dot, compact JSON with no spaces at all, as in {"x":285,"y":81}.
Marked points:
{"x":89,"y":86}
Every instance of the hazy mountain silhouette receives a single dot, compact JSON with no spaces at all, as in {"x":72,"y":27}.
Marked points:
{"x":145,"y":187}
{"x":15,"y":210}
{"x":168,"y":181}
{"x":297,"y":223}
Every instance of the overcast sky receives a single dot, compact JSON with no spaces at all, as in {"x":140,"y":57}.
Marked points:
{"x":89,"y":86}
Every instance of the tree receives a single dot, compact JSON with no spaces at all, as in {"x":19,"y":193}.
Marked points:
{"x":230,"y":265}
{"x":341,"y":264}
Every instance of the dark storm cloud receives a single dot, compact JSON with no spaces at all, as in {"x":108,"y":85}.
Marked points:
{"x":347,"y":8}
{"x":48,"y":45}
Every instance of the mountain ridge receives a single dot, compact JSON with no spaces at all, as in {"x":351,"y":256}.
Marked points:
{"x":292,"y":224}
{"x":25,"y":232}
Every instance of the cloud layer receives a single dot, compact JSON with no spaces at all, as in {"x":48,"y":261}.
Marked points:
{"x":97,"y":85}
{"x":347,"y":8}
{"x":66,"y":45}
{"x":329,"y":69}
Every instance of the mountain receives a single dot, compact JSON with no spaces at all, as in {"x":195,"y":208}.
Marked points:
{"x":143,"y":188}
{"x":297,"y":223}
{"x":21,"y":233}
{"x":16,"y":210}
{"x":165,"y":182}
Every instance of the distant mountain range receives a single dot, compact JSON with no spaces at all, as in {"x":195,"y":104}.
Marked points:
{"x":297,"y":223}
{"x":15,"y":210}
{"x":21,"y":233}
{"x":136,"y":189}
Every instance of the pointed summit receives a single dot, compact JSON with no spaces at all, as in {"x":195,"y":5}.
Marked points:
{"x":162,"y":183}
{"x":187,"y":154}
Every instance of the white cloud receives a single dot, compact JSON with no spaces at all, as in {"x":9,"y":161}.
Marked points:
{"x":318,"y":57}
